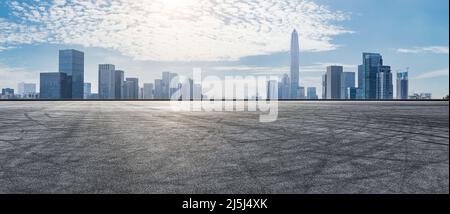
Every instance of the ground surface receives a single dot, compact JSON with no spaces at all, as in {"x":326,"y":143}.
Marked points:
{"x":144,"y":147}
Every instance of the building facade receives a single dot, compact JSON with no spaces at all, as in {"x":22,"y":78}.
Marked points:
{"x":402,"y":85}
{"x":333,"y":82}
{"x":71,"y":62}
{"x":295,"y":66}
{"x":384,"y":83}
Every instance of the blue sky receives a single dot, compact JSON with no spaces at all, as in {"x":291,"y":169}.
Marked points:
{"x":145,"y":38}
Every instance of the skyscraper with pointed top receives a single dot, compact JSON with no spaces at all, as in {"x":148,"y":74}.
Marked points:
{"x":295,"y":50}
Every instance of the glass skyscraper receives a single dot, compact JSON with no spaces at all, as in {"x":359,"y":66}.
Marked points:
{"x":384,"y":83}
{"x":54,"y":86}
{"x":295,"y":67}
{"x":402,"y":85}
{"x":71,"y":62}
{"x":370,"y":67}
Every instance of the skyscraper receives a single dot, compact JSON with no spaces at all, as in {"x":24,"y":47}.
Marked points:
{"x":285,"y":86}
{"x":87,"y":90}
{"x":54,"y":86}
{"x":105,"y":72}
{"x":311,"y":93}
{"x":117,"y":83}
{"x":402,"y":85}
{"x":148,"y":91}
{"x":324,"y":86}
{"x":370,"y":67}
{"x":347,"y":81}
{"x":301,"y":92}
{"x":333,"y":82}
{"x":295,"y":66}
{"x":166,"y":77}
{"x":384,"y":83}
{"x":131,"y":88}
{"x":71,"y":62}
{"x":158,"y":94}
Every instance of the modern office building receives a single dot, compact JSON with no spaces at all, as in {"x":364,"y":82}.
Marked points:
{"x":87,"y":90}
{"x":301,"y":93}
{"x":333,"y":82}
{"x":7,"y":93}
{"x":105,"y":81}
{"x":198,"y":91}
{"x":148,"y":91}
{"x":295,"y":66}
{"x":352,"y":93}
{"x":131,"y":88}
{"x":384,"y":83}
{"x":117,"y":81}
{"x":311,"y":93}
{"x":347,"y":81}
{"x":402,"y":85}
{"x":158,"y":94}
{"x":71,"y":62}
{"x":324,"y":86}
{"x":54,"y":85}
{"x":284,"y":87}
{"x":370,"y":67}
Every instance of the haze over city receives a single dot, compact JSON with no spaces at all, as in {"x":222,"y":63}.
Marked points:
{"x":145,"y":38}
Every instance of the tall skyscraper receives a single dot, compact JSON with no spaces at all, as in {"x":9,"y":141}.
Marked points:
{"x":87,"y":90}
{"x":311,"y":93}
{"x":105,"y":73}
{"x":301,"y":92}
{"x":333,"y":84}
{"x":347,"y":81}
{"x":117,"y":81}
{"x":370,"y":67}
{"x":295,"y":66}
{"x":54,"y":85}
{"x":158,"y":89}
{"x":148,"y":90}
{"x":71,"y":62}
{"x":285,"y":87}
{"x":402,"y":85}
{"x":131,"y":88}
{"x":384,"y":83}
{"x":324,"y":86}
{"x":166,"y":77}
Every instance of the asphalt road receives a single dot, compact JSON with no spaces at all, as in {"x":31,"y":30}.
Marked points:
{"x":144,"y":147}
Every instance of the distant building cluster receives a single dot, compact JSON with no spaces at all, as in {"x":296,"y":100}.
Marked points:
{"x":375,"y":81}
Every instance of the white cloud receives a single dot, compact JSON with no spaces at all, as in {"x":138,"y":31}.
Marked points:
{"x":430,"y":49}
{"x":168,"y":30}
{"x":436,"y":73}
{"x":319,"y":67}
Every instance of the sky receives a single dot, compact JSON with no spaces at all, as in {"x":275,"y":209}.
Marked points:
{"x":226,"y":37}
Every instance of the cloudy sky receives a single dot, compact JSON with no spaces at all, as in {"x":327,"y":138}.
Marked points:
{"x":225,"y":37}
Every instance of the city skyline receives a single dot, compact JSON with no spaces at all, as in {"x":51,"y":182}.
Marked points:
{"x":425,"y":51}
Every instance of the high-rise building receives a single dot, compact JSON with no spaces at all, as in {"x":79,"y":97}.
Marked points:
{"x":285,"y":87}
{"x":117,"y":82}
{"x":197,"y":91}
{"x":311,"y":93}
{"x":352,"y":93}
{"x":131,"y":88}
{"x":54,"y":85}
{"x":87,"y":90}
{"x":71,"y":62}
{"x":324,"y":86}
{"x":370,"y":67}
{"x":106,"y":81}
{"x":402,"y":85}
{"x":158,"y":89}
{"x":166,"y":77}
{"x":333,"y":82}
{"x":295,"y":66}
{"x":347,"y":81}
{"x":384,"y":83}
{"x":148,"y":90}
{"x":301,"y":93}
